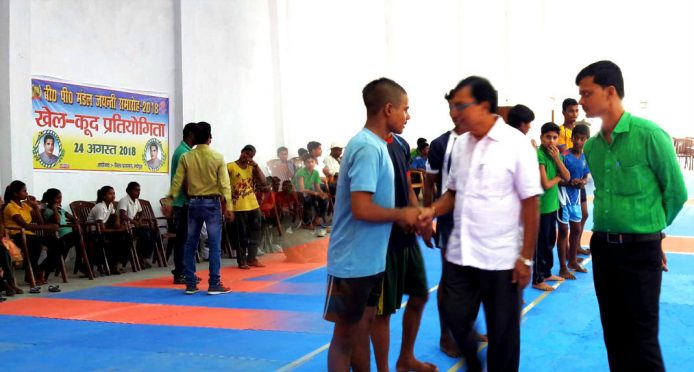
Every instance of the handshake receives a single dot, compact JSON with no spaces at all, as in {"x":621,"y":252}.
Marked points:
{"x":419,"y":220}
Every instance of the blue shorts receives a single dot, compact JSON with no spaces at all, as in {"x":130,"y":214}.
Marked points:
{"x":571,"y":212}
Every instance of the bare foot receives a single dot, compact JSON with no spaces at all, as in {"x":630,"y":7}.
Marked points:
{"x":583,"y":251}
{"x":580,"y":259}
{"x":449,"y":347}
{"x":566,"y":274}
{"x":482,"y":338}
{"x":415,"y":365}
{"x":543,"y":287}
{"x":554,"y":278}
{"x":578,"y":268}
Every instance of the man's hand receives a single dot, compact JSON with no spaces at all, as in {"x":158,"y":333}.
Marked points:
{"x":665,"y":268}
{"x":425,"y":227}
{"x":167,"y":210}
{"x":253,"y":164}
{"x":554,"y":152}
{"x":409,"y":216}
{"x":229,"y":216}
{"x":521,"y":274}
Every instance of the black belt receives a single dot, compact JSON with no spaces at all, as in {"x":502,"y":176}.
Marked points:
{"x":615,"y":238}
{"x":215,"y":197}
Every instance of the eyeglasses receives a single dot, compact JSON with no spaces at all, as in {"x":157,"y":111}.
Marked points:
{"x":461,"y":106}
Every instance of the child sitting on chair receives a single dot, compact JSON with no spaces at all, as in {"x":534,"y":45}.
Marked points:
{"x":104,"y":211}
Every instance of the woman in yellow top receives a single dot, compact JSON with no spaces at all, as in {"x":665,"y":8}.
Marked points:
{"x":22,"y":211}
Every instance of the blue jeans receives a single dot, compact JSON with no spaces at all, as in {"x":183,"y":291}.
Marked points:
{"x":208,"y":211}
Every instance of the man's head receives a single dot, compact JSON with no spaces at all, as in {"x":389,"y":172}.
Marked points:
{"x":310,"y":162}
{"x":601,"y":87}
{"x":203,"y":133}
{"x":247,"y":154}
{"x":189,"y":133}
{"x":550,"y":135}
{"x":275,"y":183}
{"x":314,"y":149}
{"x":520,"y":117}
{"x":287,"y":186}
{"x":48,"y":144}
{"x":472,"y":105}
{"x":336,"y":150}
{"x":423,"y":149}
{"x":302,"y":152}
{"x":579,"y":136}
{"x":569,"y":108}
{"x":153,"y":151}
{"x":283,"y":153}
{"x":387,"y":100}
{"x":133,"y":190}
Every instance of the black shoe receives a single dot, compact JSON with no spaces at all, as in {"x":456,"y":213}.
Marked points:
{"x":190,"y":290}
{"x":218,"y":289}
{"x":179,"y":280}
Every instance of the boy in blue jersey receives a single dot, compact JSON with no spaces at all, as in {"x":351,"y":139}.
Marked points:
{"x":364,"y":213}
{"x":569,"y":214}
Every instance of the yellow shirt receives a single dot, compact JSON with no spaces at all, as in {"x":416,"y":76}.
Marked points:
{"x":204,"y":173}
{"x":13,"y":209}
{"x":242,"y":187}
{"x":565,"y":137}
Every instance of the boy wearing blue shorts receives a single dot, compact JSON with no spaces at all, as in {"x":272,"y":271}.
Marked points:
{"x":364,"y":215}
{"x":570,"y":213}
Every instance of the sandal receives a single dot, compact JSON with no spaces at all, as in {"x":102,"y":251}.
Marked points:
{"x":54,"y":288}
{"x":35,"y":290}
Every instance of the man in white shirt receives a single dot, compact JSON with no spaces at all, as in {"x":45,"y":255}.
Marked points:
{"x":493,"y":186}
{"x":332,"y":166}
{"x":130,"y":211}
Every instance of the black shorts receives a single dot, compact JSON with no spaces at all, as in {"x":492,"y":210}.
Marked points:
{"x":584,"y":197}
{"x":347,"y":298}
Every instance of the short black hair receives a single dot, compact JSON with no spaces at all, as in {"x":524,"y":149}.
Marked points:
{"x":581,"y":129}
{"x":482,"y":91}
{"x":379,"y":92}
{"x":568,"y":102}
{"x":47,"y":137}
{"x":312,"y":145}
{"x":280,"y":149}
{"x":302,"y":152}
{"x":422,"y":145}
{"x":549,"y":127}
{"x":604,"y":73}
{"x":520,"y":114}
{"x":203,"y":132}
{"x":421,"y":140}
{"x":131,"y":186}
{"x":153,"y":145}
{"x":248,"y":148}
{"x":189,"y":129}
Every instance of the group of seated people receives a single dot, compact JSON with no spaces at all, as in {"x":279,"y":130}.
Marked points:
{"x":50,"y":231}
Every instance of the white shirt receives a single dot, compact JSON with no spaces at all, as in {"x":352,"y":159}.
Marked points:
{"x":490,"y":176}
{"x":446,"y":157}
{"x":101,"y":212}
{"x":131,"y":207}
{"x":332,"y":164}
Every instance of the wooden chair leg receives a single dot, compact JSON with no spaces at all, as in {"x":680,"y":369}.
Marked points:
{"x":85,"y":259}
{"x":27,"y":262}
{"x":63,"y":270}
{"x":277,"y":220}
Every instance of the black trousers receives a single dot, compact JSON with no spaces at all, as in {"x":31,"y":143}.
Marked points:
{"x":145,"y":242}
{"x":180,"y":221}
{"x":627,"y":280}
{"x":35,"y":246}
{"x":546,"y":239}
{"x":314,"y":203}
{"x":247,"y":235}
{"x":464,"y":289}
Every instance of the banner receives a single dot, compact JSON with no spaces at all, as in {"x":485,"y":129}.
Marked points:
{"x":85,"y":128}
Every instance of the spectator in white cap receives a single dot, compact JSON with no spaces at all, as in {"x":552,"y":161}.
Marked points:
{"x":332,"y":165}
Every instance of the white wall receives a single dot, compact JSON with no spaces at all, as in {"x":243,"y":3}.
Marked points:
{"x":283,"y":72}
{"x":120,"y":44}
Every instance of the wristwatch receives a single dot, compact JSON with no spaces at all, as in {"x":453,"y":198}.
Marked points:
{"x":525,"y":261}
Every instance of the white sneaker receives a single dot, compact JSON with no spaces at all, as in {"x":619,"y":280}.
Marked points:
{"x":321,"y":233}
{"x":289,"y":230}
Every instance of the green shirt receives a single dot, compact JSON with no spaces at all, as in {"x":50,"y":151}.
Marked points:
{"x":639,"y":188}
{"x":310,"y":179}
{"x":203,"y":172}
{"x":182,"y":198}
{"x":549,"y":201}
{"x":48,"y":217}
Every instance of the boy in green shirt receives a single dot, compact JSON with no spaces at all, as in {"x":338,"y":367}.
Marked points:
{"x":551,"y":162}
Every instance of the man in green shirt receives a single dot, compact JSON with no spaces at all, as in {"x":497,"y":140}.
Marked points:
{"x":180,"y":205}
{"x":639,"y":190}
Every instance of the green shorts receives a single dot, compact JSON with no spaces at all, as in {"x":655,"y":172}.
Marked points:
{"x":404,"y":274}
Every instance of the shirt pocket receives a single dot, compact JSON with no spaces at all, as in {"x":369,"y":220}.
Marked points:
{"x":629,"y":180}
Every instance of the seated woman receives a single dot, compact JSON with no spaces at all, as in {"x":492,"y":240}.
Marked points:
{"x":7,"y":282}
{"x":309,"y":185}
{"x":54,"y":213}
{"x":130,"y":211}
{"x":117,"y":244}
{"x":22,"y":211}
